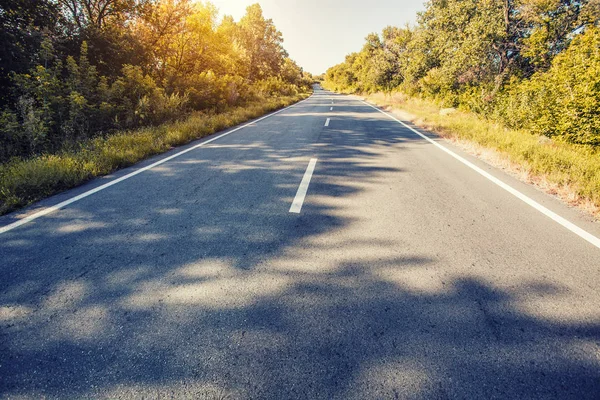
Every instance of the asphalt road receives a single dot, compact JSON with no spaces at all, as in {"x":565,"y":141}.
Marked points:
{"x":405,"y":274}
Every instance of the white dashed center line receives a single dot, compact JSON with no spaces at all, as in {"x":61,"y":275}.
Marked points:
{"x":303,"y":188}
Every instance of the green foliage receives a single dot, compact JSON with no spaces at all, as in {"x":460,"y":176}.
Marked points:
{"x":563,"y":101}
{"x":262,"y":44}
{"x":529,"y":64}
{"x":273,"y":86}
{"x":127,"y":64}
{"x":11,"y":134}
{"x":24,"y":26}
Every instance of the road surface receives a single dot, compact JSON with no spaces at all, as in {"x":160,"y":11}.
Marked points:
{"x":324,"y":252}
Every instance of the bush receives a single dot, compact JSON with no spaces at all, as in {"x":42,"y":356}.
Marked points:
{"x":273,"y":86}
{"x":53,"y":112}
{"x":563,"y":102}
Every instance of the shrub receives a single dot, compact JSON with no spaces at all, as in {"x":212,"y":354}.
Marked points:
{"x":563,"y":102}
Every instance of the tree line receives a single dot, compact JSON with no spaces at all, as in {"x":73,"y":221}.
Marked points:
{"x":532,"y":64}
{"x":76,"y":69}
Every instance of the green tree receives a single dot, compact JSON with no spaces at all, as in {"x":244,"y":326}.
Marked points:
{"x":262,"y":44}
{"x":24,"y":24}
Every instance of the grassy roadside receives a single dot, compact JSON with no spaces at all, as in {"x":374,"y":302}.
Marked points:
{"x":23,"y":182}
{"x":572,"y":172}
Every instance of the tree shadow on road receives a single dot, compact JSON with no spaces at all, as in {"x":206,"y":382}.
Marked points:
{"x":346,"y":333}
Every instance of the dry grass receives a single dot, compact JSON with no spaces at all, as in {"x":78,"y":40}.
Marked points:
{"x":23,"y":182}
{"x":570,"y":172}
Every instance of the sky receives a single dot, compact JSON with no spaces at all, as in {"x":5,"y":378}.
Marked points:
{"x":319,"y":33}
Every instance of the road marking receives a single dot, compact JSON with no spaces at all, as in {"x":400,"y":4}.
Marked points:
{"x":552,"y":215}
{"x":303,"y":188}
{"x":72,"y":200}
{"x":327,"y":122}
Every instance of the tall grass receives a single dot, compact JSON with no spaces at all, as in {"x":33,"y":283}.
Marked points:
{"x":23,"y":182}
{"x":569,"y":170}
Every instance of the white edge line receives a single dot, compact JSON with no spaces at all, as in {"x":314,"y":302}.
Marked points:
{"x":303,"y":188}
{"x":72,"y":200}
{"x":557,"y":218}
{"x":327,"y":122}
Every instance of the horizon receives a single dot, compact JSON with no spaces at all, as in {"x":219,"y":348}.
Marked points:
{"x":311,"y":46}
